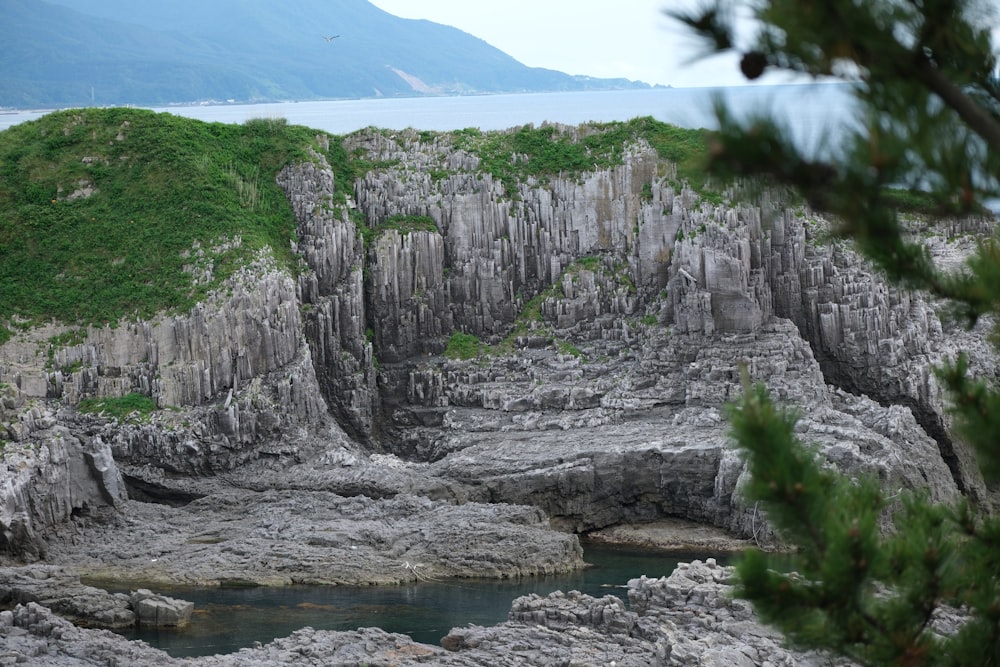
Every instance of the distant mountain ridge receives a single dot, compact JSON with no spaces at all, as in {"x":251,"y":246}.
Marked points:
{"x":115,"y":52}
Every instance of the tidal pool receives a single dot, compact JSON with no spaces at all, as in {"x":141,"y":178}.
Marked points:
{"x":228,"y":619}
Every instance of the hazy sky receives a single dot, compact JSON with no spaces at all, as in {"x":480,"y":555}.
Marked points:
{"x":623,"y":38}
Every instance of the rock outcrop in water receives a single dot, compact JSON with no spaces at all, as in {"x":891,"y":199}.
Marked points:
{"x":688,"y":618}
{"x":611,"y":311}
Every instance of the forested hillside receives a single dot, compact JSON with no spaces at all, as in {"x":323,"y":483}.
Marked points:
{"x":68,"y":53}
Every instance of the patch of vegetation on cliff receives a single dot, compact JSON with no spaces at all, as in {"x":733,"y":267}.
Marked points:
{"x":65,"y":339}
{"x":617,"y":270}
{"x":515,"y":155}
{"x":131,"y":407}
{"x":101,"y":208}
{"x":464,"y":346}
{"x":404,"y":224}
{"x":921,"y":202}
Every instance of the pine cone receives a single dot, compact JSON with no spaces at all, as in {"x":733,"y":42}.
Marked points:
{"x":753,"y":64}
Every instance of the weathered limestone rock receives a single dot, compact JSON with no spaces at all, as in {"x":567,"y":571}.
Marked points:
{"x":410,"y":309}
{"x":33,"y":635}
{"x":281,"y":411}
{"x":332,"y":296}
{"x":160,"y":611}
{"x":238,"y":361}
{"x":728,"y":281}
{"x":560,"y":611}
{"x":49,"y":476}
{"x":754,"y":263}
{"x":62,"y":592}
{"x":499,"y":253}
{"x":693,"y":619}
{"x":281,"y":537}
{"x":250,"y":327}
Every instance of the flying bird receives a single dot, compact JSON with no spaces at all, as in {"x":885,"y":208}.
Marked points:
{"x":330,"y":39}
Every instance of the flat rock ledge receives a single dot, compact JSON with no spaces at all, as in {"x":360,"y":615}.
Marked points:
{"x":688,"y":618}
{"x":281,"y":537}
{"x":62,"y":592}
{"x":675,"y":535}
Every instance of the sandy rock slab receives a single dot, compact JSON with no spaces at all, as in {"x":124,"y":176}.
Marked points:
{"x":671,"y":535}
{"x":275,"y":537}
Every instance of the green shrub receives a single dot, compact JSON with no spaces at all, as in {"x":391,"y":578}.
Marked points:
{"x":463,"y":346}
{"x":131,"y":406}
{"x":269,"y":126}
{"x":566,"y":347}
{"x":647,"y":192}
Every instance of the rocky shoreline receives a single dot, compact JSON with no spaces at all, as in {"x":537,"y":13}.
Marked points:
{"x":686,"y":618}
{"x":315,"y":428}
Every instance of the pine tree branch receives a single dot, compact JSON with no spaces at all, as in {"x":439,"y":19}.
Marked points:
{"x":980,"y":121}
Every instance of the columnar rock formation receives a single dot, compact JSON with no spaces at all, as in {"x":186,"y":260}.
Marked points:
{"x":331,"y":295}
{"x":750,"y":284}
{"x":619,"y":304}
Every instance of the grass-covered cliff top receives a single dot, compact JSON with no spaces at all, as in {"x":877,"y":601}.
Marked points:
{"x":552,"y":149}
{"x":101,"y":210}
{"x":119,"y":213}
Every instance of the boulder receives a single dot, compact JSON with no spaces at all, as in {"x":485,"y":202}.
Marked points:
{"x":160,"y":611}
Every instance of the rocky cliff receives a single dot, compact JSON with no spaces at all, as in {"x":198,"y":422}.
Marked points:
{"x":619,"y":305}
{"x":609,"y":308}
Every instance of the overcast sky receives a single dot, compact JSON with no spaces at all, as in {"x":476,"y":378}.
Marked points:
{"x":623,"y":38}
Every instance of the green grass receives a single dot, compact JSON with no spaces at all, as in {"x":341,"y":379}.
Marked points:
{"x":514,"y":155}
{"x":588,"y":262}
{"x":567,"y":348}
{"x":401,"y":223}
{"x":912,"y":201}
{"x":131,"y":406}
{"x":164,"y":186}
{"x":463,"y":346}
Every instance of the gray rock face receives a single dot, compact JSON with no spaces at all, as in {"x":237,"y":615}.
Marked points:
{"x":620,"y":308}
{"x":50,"y":475}
{"x":499,"y":253}
{"x":250,"y":328}
{"x":238,"y":363}
{"x":33,"y":635}
{"x":236,"y":375}
{"x":332,"y":296}
{"x":693,"y":619}
{"x":744,"y":284}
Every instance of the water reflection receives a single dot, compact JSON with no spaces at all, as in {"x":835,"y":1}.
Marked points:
{"x":226,"y":620}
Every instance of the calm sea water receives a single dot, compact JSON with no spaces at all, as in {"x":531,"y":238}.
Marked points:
{"x":227,"y":620}
{"x":810,"y":109}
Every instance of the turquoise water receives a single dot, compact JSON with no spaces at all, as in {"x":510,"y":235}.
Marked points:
{"x":227,"y":620}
